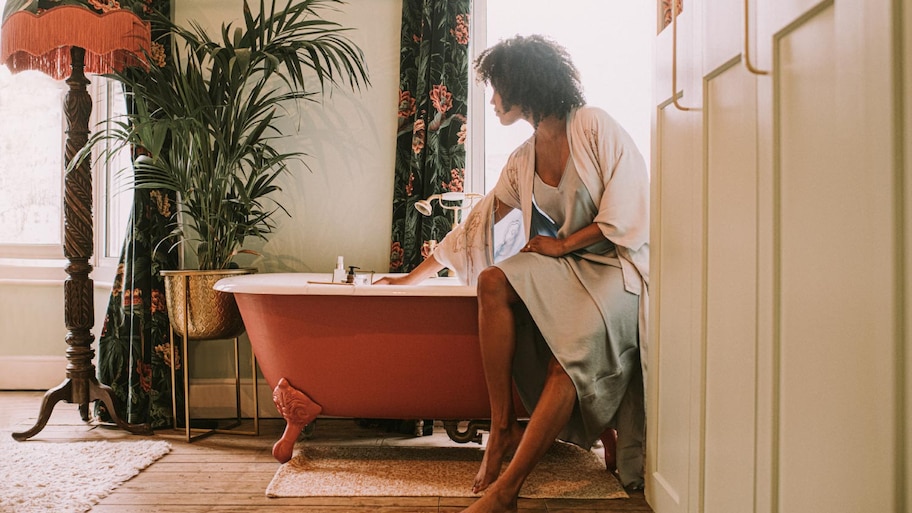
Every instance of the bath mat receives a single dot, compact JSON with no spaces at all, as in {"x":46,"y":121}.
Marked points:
{"x":566,"y":472}
{"x":69,"y":477}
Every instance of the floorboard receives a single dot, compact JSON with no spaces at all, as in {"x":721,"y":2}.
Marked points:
{"x":229,"y":473}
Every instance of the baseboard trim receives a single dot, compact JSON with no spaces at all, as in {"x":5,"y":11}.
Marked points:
{"x":32,"y":372}
{"x":209,"y":398}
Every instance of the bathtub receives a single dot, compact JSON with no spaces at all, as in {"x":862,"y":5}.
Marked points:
{"x":365,"y":351}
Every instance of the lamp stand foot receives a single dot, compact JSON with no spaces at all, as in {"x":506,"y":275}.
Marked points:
{"x":64,"y":392}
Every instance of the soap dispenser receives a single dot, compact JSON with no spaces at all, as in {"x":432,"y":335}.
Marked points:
{"x":339,"y":272}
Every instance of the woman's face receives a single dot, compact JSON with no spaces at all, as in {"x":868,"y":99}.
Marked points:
{"x":506,"y":118}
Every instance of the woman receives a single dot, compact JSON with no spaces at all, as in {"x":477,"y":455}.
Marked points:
{"x":565,"y":317}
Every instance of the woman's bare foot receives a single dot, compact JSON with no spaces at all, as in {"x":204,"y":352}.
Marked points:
{"x":501,"y":445}
{"x":494,"y":501}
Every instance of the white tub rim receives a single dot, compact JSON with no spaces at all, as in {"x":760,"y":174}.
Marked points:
{"x":320,"y":284}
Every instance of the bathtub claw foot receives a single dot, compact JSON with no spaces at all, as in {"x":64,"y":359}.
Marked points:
{"x":298,"y":410}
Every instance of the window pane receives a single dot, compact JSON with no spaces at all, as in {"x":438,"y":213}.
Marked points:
{"x":31,"y":158}
{"x":610,"y":42}
{"x":118,"y":172}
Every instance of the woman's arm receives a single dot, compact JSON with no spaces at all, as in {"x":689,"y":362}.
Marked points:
{"x":431,"y":266}
{"x":553,"y":247}
{"x":426,"y":269}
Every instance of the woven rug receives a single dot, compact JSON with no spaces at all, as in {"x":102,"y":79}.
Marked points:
{"x":69,"y":477}
{"x":566,"y":472}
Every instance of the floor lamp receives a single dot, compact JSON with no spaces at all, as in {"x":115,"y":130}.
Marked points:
{"x":76,"y":40}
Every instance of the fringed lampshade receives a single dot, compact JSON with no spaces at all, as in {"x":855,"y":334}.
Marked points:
{"x":61,"y":40}
{"x":43,"y":41}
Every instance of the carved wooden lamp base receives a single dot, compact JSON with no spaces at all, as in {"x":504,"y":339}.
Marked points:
{"x":80,"y":386}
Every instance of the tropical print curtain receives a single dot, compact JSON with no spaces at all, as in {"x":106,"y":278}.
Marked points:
{"x":134,"y":349}
{"x":430,"y":147}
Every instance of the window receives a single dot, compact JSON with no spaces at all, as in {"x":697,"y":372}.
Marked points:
{"x":610,"y":42}
{"x":31,"y":159}
{"x":115,"y":175}
{"x":32,"y":145}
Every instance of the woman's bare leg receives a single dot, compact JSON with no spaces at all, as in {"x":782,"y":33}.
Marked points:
{"x":550,"y":416}
{"x":497,"y":338}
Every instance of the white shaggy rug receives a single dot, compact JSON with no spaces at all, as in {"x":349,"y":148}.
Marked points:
{"x":566,"y":472}
{"x":69,"y":477}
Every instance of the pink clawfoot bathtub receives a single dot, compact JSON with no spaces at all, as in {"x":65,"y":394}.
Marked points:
{"x":369,"y":351}
{"x":365,"y":351}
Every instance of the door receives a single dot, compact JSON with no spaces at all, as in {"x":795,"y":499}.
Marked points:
{"x":779,"y":359}
{"x":837,"y":309}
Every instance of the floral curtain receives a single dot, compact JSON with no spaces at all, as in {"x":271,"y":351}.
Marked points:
{"x":430,"y":147}
{"x":134,"y":349}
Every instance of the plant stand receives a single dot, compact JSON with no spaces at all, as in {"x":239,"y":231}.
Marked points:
{"x":197,"y":433}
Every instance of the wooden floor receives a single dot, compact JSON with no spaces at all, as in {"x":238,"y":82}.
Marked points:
{"x":229,"y":473}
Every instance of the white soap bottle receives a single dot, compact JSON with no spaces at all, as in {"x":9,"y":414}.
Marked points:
{"x":339,"y":273}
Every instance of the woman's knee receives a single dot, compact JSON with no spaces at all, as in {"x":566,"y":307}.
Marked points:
{"x":493,"y":286}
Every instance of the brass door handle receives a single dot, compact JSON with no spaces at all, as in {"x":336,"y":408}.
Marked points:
{"x":747,"y":59}
{"x":674,"y":59}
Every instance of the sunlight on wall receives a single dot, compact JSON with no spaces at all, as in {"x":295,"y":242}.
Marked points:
{"x":610,"y":42}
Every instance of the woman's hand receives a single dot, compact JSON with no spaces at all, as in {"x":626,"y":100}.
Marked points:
{"x":548,"y":246}
{"x":394,"y":280}
{"x":552,"y":247}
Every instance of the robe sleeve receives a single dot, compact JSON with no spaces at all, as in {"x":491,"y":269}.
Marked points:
{"x":468,"y":249}
{"x":623,"y":209}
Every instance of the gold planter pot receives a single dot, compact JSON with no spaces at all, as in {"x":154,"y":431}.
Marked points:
{"x":210,"y":314}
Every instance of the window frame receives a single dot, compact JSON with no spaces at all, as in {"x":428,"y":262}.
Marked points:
{"x":474,"y":178}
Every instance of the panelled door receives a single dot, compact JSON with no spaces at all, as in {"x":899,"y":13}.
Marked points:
{"x":779,"y":359}
{"x":838,"y":307}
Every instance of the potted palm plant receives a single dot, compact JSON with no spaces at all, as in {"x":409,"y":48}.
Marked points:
{"x":206,"y":126}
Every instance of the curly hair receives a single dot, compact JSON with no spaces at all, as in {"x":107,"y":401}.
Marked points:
{"x":534,"y":73}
